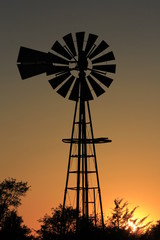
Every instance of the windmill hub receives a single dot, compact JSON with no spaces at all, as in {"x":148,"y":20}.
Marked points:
{"x":80,"y":64}
{"x":82,"y":61}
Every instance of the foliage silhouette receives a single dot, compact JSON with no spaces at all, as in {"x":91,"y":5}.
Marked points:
{"x":11,"y":225}
{"x":153,"y":232}
{"x":11,"y":192}
{"x":51,"y":226}
{"x":50,"y":231}
{"x":123,"y":219}
{"x":13,"y":228}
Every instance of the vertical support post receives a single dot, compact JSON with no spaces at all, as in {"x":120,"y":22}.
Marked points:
{"x":83,"y":185}
{"x":95,"y":213}
{"x":68,"y":169}
{"x":84,"y":154}
{"x":78,"y":167}
{"x":99,"y":191}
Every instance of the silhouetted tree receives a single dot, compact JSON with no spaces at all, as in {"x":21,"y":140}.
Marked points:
{"x":51,"y":226}
{"x":13,"y":228}
{"x":11,"y":225}
{"x":154,"y":232}
{"x":11,"y":192}
{"x":120,"y":215}
{"x":119,"y":224}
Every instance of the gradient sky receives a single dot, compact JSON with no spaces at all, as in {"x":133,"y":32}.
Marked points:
{"x":34,"y":118}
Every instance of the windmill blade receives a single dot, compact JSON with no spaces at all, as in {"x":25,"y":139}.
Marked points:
{"x":85,"y":91}
{"x":57,"y":47}
{"x":27,"y":55}
{"x":55,"y":82}
{"x":106,"y":68}
{"x":75,"y":91}
{"x":66,"y":86}
{"x":70,"y":44}
{"x":103,"y":79}
{"x":100,"y":48}
{"x":106,"y":57}
{"x":96,"y":87}
{"x":90,"y":42}
{"x":30,"y":70}
{"x":56,"y":59}
{"x":57,"y":69}
{"x":80,"y":40}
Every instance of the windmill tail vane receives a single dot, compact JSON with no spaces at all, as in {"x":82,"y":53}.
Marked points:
{"x":77,"y":69}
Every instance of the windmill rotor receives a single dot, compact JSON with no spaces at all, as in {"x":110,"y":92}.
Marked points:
{"x":79,"y":67}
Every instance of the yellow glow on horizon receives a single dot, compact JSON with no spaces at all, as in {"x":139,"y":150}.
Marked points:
{"x":131,"y":226}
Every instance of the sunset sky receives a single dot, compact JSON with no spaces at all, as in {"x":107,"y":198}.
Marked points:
{"x":34,"y":118}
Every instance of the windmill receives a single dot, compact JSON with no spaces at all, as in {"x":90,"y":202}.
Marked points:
{"x":79,"y":71}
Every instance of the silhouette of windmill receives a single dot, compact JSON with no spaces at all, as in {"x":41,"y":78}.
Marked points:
{"x":79,"y":70}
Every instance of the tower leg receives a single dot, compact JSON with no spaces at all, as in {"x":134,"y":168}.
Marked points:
{"x":68,"y":169}
{"x":96,"y":167}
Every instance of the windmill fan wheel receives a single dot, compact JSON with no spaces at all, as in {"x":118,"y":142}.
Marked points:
{"x":79,"y":67}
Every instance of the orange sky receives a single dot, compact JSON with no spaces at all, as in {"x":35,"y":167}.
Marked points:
{"x":32,"y":114}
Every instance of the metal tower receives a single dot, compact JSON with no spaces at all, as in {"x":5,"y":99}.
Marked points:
{"x":82,"y":181}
